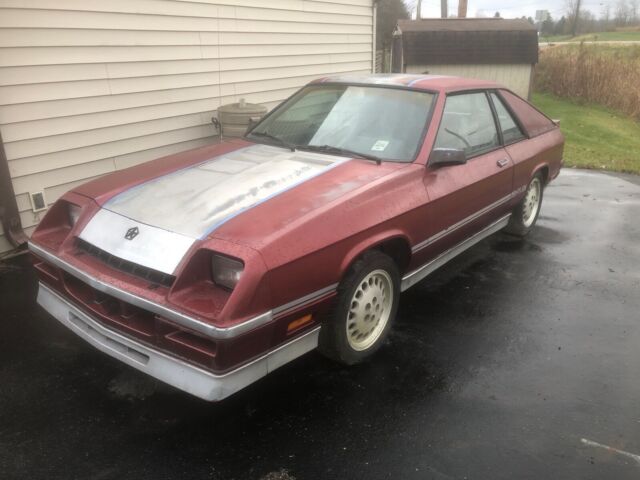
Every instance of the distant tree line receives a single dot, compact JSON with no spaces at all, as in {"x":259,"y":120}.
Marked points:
{"x":618,"y":14}
{"x":613,"y":14}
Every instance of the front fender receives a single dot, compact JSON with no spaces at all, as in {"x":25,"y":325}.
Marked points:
{"x":371,"y":242}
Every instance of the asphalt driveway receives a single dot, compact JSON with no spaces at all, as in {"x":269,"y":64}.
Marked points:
{"x":520,"y":359}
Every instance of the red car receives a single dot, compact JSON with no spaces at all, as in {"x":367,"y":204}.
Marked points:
{"x":210,"y":268}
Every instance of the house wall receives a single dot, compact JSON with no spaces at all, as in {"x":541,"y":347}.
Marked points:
{"x":517,"y":77}
{"x":88,"y":87}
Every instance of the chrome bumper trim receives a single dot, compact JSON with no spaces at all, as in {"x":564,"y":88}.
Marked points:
{"x":175,"y":372}
{"x":310,"y":298}
{"x":415,"y":276}
{"x":174,"y":316}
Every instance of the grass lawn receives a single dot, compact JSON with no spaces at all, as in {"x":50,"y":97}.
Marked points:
{"x":595,"y":137}
{"x":627,"y":36}
{"x":555,"y":38}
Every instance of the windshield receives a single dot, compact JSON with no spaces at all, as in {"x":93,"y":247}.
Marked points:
{"x":387,"y":123}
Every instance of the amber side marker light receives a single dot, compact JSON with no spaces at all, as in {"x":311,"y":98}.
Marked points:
{"x":297,"y":323}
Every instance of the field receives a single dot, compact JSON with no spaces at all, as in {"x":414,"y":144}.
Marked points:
{"x":596,"y":137}
{"x":595,"y":91}
{"x":555,"y":38}
{"x":604,"y":75}
{"x":620,"y":36}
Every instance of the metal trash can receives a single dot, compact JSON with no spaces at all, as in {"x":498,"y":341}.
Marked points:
{"x":234,"y":119}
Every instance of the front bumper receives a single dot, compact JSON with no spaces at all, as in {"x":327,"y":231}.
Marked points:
{"x":175,"y":316}
{"x":171,"y":370}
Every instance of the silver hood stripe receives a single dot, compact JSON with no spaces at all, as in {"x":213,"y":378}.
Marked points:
{"x":195,"y":200}
{"x":175,"y":210}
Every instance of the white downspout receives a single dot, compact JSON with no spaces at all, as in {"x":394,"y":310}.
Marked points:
{"x":373,"y":49}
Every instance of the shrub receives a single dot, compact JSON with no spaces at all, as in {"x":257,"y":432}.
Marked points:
{"x":604,"y":75}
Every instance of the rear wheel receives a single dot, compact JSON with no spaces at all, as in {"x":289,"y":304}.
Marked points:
{"x":525,"y":215}
{"x":364,"y":311}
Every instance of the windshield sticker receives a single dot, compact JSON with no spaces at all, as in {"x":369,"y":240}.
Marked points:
{"x":379,"y":146}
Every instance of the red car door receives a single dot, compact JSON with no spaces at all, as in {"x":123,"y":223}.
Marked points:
{"x":463,"y":199}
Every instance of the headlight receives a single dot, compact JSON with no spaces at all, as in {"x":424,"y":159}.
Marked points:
{"x":226,"y":271}
{"x":74,"y":213}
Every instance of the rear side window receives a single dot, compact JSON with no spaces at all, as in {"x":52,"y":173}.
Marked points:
{"x":511,"y":132}
{"x":533,"y":121}
{"x":467,"y":124}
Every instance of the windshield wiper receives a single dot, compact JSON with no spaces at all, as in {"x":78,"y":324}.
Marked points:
{"x":281,"y":141}
{"x":340,"y":151}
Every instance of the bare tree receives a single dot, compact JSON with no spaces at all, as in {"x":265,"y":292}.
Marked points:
{"x":573,"y":15}
{"x":587,"y":22}
{"x":605,"y":16}
{"x":634,"y":11}
{"x":571,"y":7}
{"x":389,"y":11}
{"x":462,"y":8}
{"x":622,"y":13}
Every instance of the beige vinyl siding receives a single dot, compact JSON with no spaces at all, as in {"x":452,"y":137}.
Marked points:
{"x":88,"y":87}
{"x":517,"y":77}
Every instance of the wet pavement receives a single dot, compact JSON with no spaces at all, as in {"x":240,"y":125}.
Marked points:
{"x":519,"y":359}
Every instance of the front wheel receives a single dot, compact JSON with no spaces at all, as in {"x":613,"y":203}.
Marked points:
{"x":525,"y":215}
{"x":365,"y":309}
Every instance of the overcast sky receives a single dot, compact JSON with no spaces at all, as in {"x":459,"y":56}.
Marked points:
{"x":507,"y":8}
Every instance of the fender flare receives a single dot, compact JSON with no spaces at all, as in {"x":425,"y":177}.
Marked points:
{"x":539,"y":167}
{"x":370,"y":243}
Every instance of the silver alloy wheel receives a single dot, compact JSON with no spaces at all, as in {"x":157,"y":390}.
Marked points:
{"x":369,"y":310}
{"x":531,"y":202}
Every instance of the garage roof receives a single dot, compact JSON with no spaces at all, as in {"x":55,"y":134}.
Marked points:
{"x":468,"y":41}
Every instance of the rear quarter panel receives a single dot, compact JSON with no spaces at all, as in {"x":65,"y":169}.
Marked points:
{"x":542,"y":150}
{"x":532,"y":155}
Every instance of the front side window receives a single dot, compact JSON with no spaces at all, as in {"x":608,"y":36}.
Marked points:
{"x":510,"y":130}
{"x":467,"y":124}
{"x":385,"y":122}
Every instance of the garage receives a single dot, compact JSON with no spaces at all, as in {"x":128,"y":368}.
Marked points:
{"x":495,"y":49}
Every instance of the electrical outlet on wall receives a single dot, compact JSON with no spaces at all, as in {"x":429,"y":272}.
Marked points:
{"x":38,"y":202}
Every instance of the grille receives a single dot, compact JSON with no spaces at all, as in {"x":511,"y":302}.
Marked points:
{"x":131,"y":268}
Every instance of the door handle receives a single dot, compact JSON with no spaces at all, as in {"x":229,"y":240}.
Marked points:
{"x":502,"y":162}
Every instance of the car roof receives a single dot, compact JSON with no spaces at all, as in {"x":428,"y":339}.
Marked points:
{"x":420,"y":82}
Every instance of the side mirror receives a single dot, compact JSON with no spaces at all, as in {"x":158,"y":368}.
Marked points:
{"x":441,"y":157}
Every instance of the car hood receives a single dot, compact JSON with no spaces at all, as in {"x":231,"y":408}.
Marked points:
{"x":194,"y":201}
{"x":156,"y":222}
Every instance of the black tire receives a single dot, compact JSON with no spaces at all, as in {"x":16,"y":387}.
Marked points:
{"x":521,"y":221}
{"x":335,"y":342}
